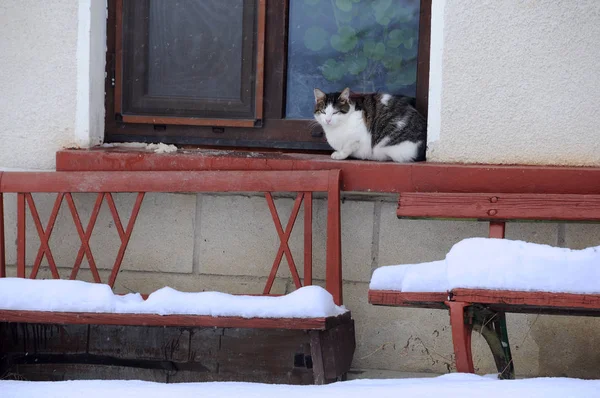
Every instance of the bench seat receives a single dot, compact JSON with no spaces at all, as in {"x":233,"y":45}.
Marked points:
{"x":85,"y":318}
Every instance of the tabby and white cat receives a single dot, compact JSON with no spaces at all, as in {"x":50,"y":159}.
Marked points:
{"x":371,"y":126}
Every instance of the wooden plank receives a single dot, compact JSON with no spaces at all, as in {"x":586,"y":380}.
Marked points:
{"x":422,"y":84}
{"x":358,"y":175}
{"x":408,"y":299}
{"x":333,"y":272}
{"x":260,"y":59}
{"x":533,"y":300}
{"x":500,"y":206}
{"x":2,"y":247}
{"x":166,"y":181}
{"x":188,"y":121}
{"x":79,"y":318}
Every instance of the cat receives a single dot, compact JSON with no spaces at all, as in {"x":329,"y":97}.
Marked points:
{"x":371,"y":126}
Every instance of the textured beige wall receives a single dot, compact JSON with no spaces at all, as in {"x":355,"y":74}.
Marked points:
{"x":520,"y":82}
{"x":38,"y":71}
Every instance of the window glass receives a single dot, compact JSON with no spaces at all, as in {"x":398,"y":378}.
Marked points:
{"x":367,"y":45}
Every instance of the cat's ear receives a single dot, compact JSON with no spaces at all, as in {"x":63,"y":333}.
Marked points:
{"x":345,"y":95}
{"x":319,"y":95}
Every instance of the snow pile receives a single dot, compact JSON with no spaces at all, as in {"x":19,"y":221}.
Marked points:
{"x":156,"y":148}
{"x":481,"y":263}
{"x":78,"y":296}
{"x":447,"y":386}
{"x":60,"y":295}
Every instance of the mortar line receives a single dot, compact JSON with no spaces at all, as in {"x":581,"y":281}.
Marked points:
{"x":197,"y":232}
{"x":561,"y":235}
{"x":375,"y":239}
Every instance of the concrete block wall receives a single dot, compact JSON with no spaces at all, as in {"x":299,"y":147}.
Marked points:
{"x":195,"y":242}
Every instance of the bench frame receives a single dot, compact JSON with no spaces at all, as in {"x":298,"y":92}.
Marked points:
{"x":485,"y":310}
{"x":104,"y":184}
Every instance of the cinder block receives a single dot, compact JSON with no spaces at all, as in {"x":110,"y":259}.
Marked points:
{"x":402,"y":339}
{"x":238,"y":237}
{"x":147,"y":282}
{"x":568,"y":346}
{"x":416,"y":241}
{"x":535,"y":232}
{"x":581,"y":236}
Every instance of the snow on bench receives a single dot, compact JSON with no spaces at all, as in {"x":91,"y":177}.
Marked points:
{"x":498,"y":264}
{"x":77,"y":296}
{"x":72,"y":301}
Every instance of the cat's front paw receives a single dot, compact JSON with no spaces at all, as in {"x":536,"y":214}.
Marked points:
{"x":337,"y":155}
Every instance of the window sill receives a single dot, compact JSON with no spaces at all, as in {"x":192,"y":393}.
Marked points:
{"x":358,"y":176}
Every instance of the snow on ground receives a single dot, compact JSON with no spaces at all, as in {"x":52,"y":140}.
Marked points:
{"x":447,"y":386}
{"x":78,"y":296}
{"x":481,"y":263}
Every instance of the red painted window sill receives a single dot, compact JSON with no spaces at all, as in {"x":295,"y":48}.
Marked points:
{"x":361,"y":176}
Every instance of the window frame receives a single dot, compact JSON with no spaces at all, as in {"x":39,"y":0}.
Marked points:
{"x":273,"y":131}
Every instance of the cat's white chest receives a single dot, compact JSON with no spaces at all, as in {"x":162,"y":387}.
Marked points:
{"x":351,"y":131}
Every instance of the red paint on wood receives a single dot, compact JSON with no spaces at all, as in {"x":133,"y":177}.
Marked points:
{"x":87,"y":236}
{"x":21,"y":235}
{"x":65,"y":183}
{"x":2,"y":245}
{"x":333,"y":272}
{"x":308,"y":225}
{"x":166,"y":181}
{"x":125,"y":236}
{"x":497,"y":229}
{"x":83,"y":318}
{"x":85,"y":243}
{"x":358,"y":175}
{"x":44,"y":236}
{"x":408,"y":299}
{"x":283,"y":239}
{"x":532,"y":299}
{"x":461,"y":337}
{"x":500,"y":206}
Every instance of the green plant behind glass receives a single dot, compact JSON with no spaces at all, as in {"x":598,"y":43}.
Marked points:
{"x":369,"y":39}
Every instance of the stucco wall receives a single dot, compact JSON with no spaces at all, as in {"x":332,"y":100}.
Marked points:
{"x":38,"y":72}
{"x":520,"y":82}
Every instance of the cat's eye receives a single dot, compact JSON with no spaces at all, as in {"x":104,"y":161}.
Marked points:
{"x":322,"y":111}
{"x":336,"y":112}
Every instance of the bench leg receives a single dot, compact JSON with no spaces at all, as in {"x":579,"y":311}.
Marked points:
{"x":461,"y":337}
{"x":492,"y":326}
{"x":316,"y":352}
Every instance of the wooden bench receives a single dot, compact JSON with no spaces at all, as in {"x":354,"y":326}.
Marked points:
{"x":484,"y":310}
{"x":330,"y":340}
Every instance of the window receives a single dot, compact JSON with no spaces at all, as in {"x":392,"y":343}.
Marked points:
{"x":241,"y":72}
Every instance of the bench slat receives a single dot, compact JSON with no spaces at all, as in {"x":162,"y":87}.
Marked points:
{"x":401,"y":299}
{"x":85,"y":318}
{"x":168,"y":181}
{"x":500,"y":206}
{"x":520,"y":301}
{"x":501,"y":300}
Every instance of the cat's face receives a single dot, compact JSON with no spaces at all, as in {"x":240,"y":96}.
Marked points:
{"x":332,"y":109}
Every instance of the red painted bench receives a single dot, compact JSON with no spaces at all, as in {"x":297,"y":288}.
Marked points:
{"x":484,"y":310}
{"x":331,"y":339}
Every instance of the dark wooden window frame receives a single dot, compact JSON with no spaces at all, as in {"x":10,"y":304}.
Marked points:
{"x":273,"y":131}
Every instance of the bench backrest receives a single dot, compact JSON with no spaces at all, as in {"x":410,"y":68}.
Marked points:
{"x":103,"y":184}
{"x":499,"y":207}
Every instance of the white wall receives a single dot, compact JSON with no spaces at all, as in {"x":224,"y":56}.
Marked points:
{"x":51,"y":78}
{"x":520,"y":82}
